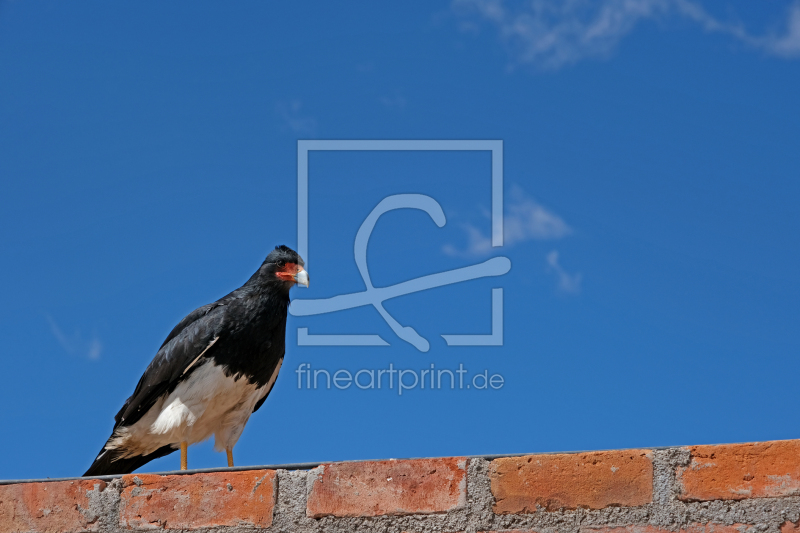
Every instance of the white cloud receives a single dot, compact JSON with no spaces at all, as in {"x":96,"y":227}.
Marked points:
{"x":566,"y":282}
{"x":95,"y":348}
{"x":553,"y":33}
{"x":788,"y":44}
{"x":527,"y":220}
{"x":524,"y":220}
{"x":75,"y":345}
{"x":290,"y":112}
{"x":393,"y":101}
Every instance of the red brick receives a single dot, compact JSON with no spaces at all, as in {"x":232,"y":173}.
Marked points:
{"x":374,"y":488}
{"x":568,"y":481}
{"x":692,"y":528}
{"x":790,"y":527}
{"x":198,"y":500}
{"x":57,"y":507}
{"x":740,"y":471}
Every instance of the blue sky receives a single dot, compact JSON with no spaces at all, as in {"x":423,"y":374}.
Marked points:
{"x":148,"y":156}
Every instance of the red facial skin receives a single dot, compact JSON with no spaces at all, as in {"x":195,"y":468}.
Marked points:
{"x":288,"y":272}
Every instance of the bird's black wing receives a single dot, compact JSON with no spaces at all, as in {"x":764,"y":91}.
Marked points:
{"x":108,"y":463}
{"x":195,"y":336}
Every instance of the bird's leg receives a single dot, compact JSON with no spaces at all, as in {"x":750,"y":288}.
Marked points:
{"x":184,"y":447}
{"x":230,"y":456}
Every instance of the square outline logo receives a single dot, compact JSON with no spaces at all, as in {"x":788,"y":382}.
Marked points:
{"x":493,"y":146}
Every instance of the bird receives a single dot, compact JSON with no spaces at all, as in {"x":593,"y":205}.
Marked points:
{"x":214,"y":370}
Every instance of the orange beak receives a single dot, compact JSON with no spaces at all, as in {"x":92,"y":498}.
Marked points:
{"x":293,"y":272}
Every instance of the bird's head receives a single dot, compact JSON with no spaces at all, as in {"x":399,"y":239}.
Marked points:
{"x":285,"y":265}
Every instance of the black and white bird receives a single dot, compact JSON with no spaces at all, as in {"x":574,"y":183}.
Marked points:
{"x":213,"y":371}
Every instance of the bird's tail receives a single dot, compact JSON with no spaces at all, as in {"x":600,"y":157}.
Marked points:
{"x":108,"y":464}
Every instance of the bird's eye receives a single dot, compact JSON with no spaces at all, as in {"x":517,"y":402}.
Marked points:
{"x":281,"y":264}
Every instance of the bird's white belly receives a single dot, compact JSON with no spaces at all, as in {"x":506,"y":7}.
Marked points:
{"x":207,"y":403}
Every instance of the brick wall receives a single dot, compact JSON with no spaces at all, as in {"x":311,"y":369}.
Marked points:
{"x":742,"y":488}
